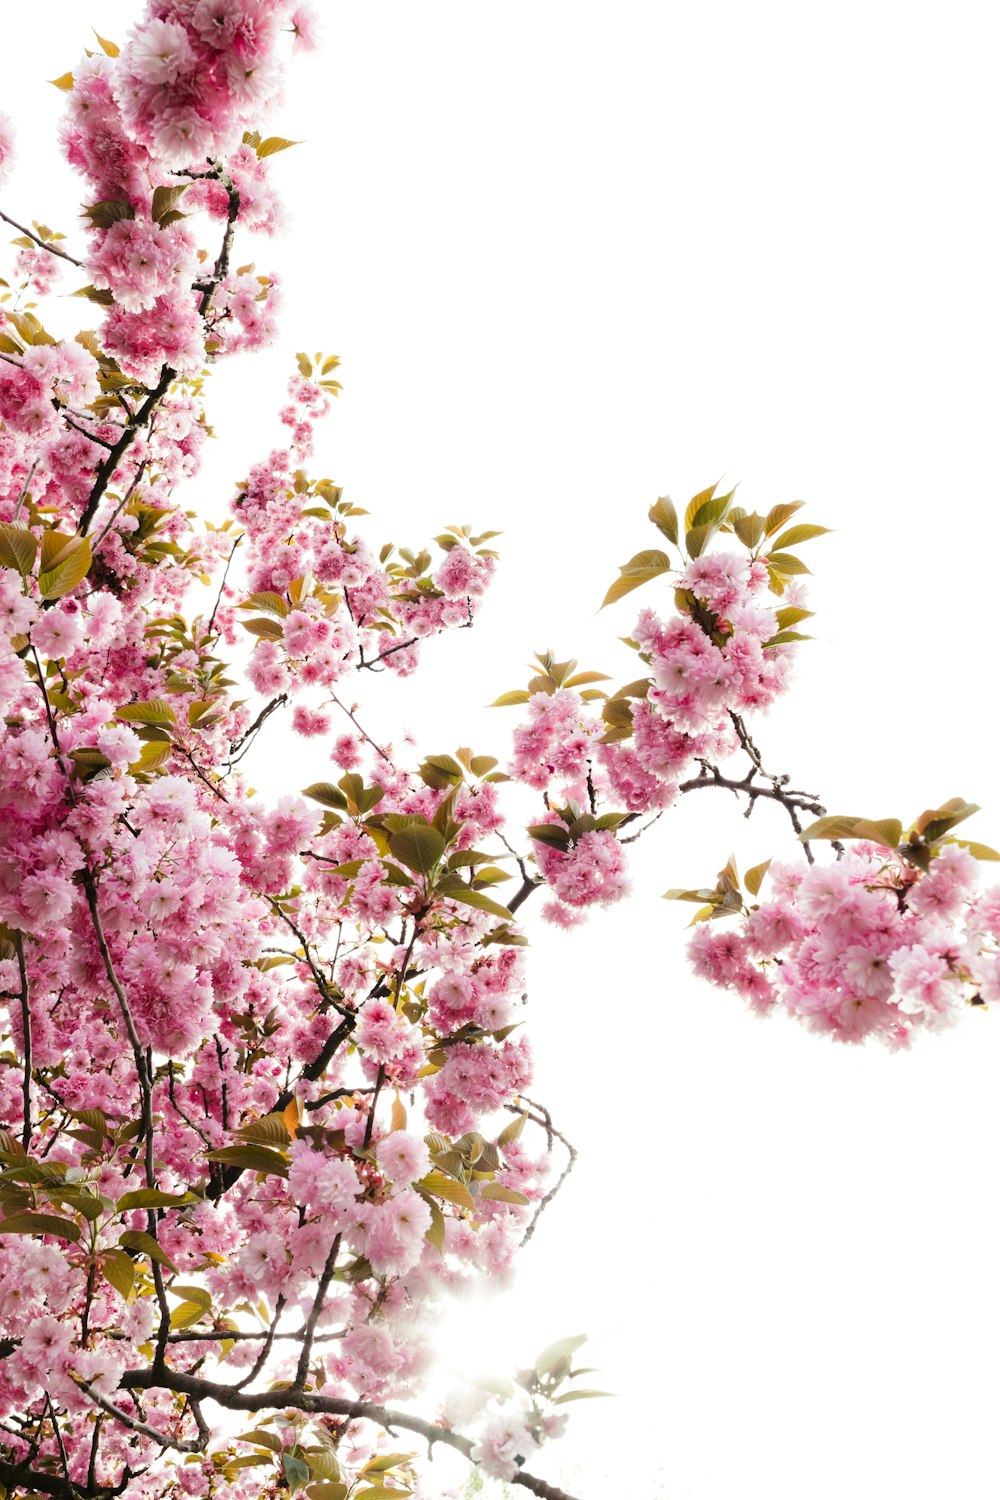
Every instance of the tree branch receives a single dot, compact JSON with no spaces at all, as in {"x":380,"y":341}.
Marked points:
{"x":42,"y":244}
{"x":295,"y":1399}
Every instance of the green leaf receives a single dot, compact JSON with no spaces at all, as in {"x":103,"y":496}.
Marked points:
{"x":779,"y":514}
{"x":265,"y":629}
{"x":269,"y":1130}
{"x":383,"y":1461}
{"x":978,"y":851}
{"x":698,"y":896}
{"x":147,"y":711}
{"x":796,"y":534}
{"x":789,"y":616}
{"x":148,"y":1198}
{"x":296,"y":1471}
{"x":271,"y":146}
{"x":887,"y":831}
{"x":753,"y":877}
{"x":32,"y":1223}
{"x":835,"y":826}
{"x":496,"y":1193}
{"x":268,"y":601}
{"x":439,"y":771}
{"x":695,"y":503}
{"x":578,"y":1396}
{"x":326,"y":794}
{"x":108,"y":211}
{"x":637,"y":571}
{"x":435,"y":1232}
{"x":705,"y":521}
{"x":750,"y":530}
{"x":447,"y":1188}
{"x":786,"y":563}
{"x":119,"y":1271}
{"x":512,"y":1131}
{"x":664,"y":518}
{"x":139,"y":1240}
{"x":18,"y":547}
{"x":554,"y":1356}
{"x":937,"y":821}
{"x":418,"y":848}
{"x":261,"y":1438}
{"x":455,"y":888}
{"x":195,"y":1294}
{"x":785,"y":638}
{"x":64,"y":563}
{"x":165,"y":200}
{"x":324,"y":1462}
{"x":556,"y":835}
{"x":251,"y":1159}
{"x":186,"y":1314}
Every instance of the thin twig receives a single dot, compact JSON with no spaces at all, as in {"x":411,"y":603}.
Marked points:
{"x":42,"y":244}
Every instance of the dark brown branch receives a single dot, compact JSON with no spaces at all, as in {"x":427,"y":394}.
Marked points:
{"x":208,"y":289}
{"x":773,"y":790}
{"x":248,"y":734}
{"x":231,"y":1175}
{"x":132,"y":427}
{"x":295,"y":1399}
{"x":90,"y":436}
{"x":190,"y":1445}
{"x":309,"y":1332}
{"x":26,"y":1040}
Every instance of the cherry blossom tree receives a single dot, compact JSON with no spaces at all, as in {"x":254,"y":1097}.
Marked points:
{"x":266,"y":1098}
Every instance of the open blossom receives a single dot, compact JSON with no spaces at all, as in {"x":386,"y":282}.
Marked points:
{"x":56,"y":634}
{"x":504,"y":1445}
{"x":403,"y":1157}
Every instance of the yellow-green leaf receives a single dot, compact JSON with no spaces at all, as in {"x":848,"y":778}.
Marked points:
{"x":32,"y":1223}
{"x":447,"y":1188}
{"x":139,"y":1240}
{"x":18,"y":547}
{"x":251,"y":1159}
{"x":64,"y":563}
{"x":637,"y":571}
{"x":753,"y":877}
{"x":664,"y":518}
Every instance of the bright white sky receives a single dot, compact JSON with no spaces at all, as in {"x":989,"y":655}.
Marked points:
{"x":575,"y":256}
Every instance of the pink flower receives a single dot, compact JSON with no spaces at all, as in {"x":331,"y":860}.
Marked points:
{"x":403,"y":1158}
{"x":56,"y":634}
{"x":504,"y":1444}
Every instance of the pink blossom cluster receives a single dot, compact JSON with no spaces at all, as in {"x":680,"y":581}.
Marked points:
{"x":713,"y":658}
{"x":195,"y":982}
{"x":193,"y":76}
{"x":870,"y":945}
{"x":590,"y":872}
{"x":331,"y":605}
